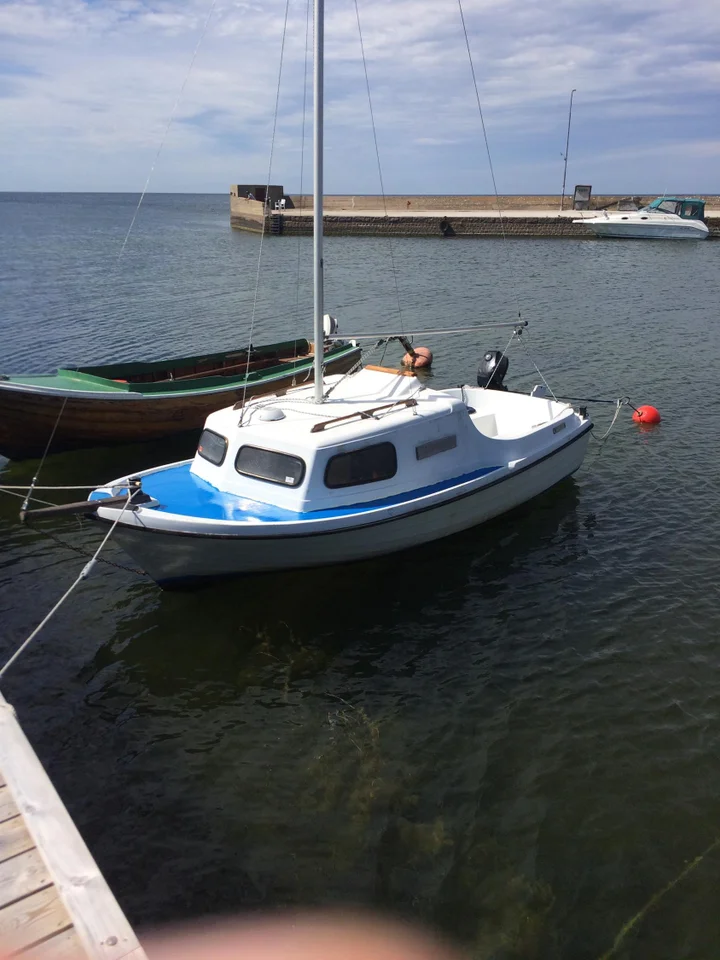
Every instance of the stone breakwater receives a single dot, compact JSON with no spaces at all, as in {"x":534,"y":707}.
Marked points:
{"x":440,"y":225}
{"x":432,"y":216}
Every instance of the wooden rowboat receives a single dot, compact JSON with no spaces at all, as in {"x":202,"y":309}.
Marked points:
{"x":124,"y":403}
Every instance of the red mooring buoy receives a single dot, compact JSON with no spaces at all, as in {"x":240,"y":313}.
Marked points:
{"x":423,"y":358}
{"x":647,"y":414}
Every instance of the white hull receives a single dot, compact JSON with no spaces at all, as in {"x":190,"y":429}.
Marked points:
{"x":632,"y":227}
{"x":178,"y":557}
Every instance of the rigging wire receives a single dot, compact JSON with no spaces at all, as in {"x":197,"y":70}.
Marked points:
{"x":506,"y":247}
{"x":302,"y":166}
{"x":266,"y":204}
{"x":167,"y":127}
{"x":538,"y":370}
{"x":377,"y":156}
{"x":426,"y":333}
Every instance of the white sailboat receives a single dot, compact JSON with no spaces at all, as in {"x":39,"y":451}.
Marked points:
{"x":346,"y":468}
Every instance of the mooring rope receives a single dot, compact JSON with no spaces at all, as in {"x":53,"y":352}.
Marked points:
{"x":654,"y":899}
{"x":84,"y":573}
{"x":83,"y":553}
{"x":12,"y":493}
{"x":24,"y":486}
{"x":45,"y":453}
{"x":620,"y":404}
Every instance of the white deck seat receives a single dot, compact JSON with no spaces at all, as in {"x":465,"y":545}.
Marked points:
{"x":486,"y":424}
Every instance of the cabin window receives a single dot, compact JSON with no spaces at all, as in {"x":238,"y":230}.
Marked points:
{"x":433,"y":447}
{"x":366,"y":465}
{"x":270,"y":465}
{"x":212,"y":447}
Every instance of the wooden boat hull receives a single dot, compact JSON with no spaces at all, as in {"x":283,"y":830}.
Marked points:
{"x":27,"y":416}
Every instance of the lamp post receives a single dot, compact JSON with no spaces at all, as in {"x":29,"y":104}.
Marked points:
{"x":567,"y":146}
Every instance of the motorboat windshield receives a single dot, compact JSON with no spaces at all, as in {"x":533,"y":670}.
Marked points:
{"x":662,"y":205}
{"x":688,"y":208}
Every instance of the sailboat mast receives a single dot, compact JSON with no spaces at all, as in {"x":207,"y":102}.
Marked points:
{"x":318,"y":44}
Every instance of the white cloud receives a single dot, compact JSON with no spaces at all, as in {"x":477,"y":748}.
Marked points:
{"x":87,"y":86}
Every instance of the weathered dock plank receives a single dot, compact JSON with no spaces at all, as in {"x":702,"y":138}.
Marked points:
{"x":63,"y":946}
{"x":32,"y":919}
{"x":14,"y":838}
{"x":8,"y":807}
{"x":54,"y":902}
{"x":22,"y":875}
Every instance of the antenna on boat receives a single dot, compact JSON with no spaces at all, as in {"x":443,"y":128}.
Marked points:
{"x":318,"y":307}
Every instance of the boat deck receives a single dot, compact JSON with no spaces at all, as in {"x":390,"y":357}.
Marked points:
{"x":54,"y":902}
{"x":183,"y":494}
{"x":67,"y":383}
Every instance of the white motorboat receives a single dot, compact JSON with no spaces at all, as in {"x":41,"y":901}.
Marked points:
{"x":667,"y":218}
{"x":349,"y":467}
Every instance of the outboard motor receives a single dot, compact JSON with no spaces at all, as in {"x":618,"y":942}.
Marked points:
{"x":492,"y":370}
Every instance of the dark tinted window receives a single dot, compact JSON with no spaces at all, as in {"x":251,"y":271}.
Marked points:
{"x":212,"y":447}
{"x":367,"y":465}
{"x":270,"y":465}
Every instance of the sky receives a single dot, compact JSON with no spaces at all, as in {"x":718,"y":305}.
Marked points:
{"x":100,"y":95}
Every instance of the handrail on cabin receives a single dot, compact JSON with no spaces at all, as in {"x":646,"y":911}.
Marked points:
{"x":363,"y":414}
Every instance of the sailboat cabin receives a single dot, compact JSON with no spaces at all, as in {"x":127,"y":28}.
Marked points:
{"x":301,"y":456}
{"x":380,"y":437}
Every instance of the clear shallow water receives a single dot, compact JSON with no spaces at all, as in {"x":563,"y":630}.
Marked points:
{"x":512,"y":734}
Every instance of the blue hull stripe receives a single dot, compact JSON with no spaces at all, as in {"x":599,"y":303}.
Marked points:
{"x":181,"y":493}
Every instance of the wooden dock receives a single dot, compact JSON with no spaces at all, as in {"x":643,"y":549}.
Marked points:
{"x":54,"y":902}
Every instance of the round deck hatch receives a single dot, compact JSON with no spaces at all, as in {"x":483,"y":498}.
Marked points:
{"x":271,"y":413}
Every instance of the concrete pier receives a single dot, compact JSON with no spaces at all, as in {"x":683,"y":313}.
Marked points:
{"x":433,"y":216}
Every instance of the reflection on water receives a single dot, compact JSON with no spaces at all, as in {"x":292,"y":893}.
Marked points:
{"x":511,"y":733}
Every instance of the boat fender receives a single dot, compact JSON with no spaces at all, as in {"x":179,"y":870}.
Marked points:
{"x":420,"y":358}
{"x":647,"y":414}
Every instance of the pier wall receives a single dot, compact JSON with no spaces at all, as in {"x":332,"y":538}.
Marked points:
{"x":431,"y":216}
{"x":435,"y":226}
{"x":443,"y":202}
{"x":246,"y":214}
{"x":470,"y":202}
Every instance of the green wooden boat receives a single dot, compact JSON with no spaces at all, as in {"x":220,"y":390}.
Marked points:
{"x":126,"y":402}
